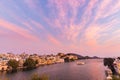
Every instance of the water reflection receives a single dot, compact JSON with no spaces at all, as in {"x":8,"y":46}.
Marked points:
{"x":92,"y":70}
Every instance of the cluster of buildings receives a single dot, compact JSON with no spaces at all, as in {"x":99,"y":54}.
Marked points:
{"x":41,"y":59}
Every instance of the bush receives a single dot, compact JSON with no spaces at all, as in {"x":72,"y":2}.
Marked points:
{"x":115,"y":78}
{"x":29,"y":63}
{"x":13,"y":64}
{"x":66,"y":59}
{"x":109,"y":62}
{"x":37,"y":77}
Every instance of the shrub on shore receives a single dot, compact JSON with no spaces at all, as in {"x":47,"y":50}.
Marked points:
{"x":29,"y":63}
{"x":13,"y":64}
{"x":37,"y":77}
{"x":109,"y":62}
{"x":115,"y":77}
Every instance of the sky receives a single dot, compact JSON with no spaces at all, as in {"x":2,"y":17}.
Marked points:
{"x":86,"y":27}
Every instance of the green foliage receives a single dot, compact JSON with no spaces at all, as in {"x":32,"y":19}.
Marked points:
{"x":66,"y":59}
{"x":69,"y":60}
{"x":37,"y":77}
{"x":29,"y":63}
{"x":5,"y":79}
{"x":72,"y":59}
{"x":13,"y":63}
{"x":36,"y":62}
{"x":115,"y":78}
{"x":109,"y":62}
{"x":44,"y":77}
{"x":119,"y":58}
{"x":61,"y":55}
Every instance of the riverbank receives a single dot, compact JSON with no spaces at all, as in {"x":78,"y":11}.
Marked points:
{"x":92,"y":70}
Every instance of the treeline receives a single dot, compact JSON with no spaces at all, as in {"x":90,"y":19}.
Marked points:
{"x":13,"y":65}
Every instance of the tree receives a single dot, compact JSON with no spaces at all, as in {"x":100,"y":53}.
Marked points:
{"x":67,"y":59}
{"x":36,"y":62}
{"x":119,"y":58}
{"x":109,"y":62}
{"x":29,"y":63}
{"x":13,"y":64}
{"x":72,"y":59}
{"x":61,"y":55}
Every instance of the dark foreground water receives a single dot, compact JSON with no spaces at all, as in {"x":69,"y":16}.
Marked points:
{"x":92,"y":70}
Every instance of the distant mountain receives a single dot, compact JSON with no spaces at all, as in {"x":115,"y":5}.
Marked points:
{"x":83,"y":57}
{"x":95,"y":57}
{"x":79,"y":56}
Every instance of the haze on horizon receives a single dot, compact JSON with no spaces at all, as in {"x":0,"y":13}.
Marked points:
{"x":87,"y":27}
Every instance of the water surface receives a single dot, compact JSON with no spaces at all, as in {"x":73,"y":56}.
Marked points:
{"x":92,"y":70}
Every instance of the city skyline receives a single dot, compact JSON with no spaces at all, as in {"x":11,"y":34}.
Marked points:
{"x":87,"y":27}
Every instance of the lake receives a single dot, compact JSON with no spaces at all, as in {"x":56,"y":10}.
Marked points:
{"x":92,"y":70}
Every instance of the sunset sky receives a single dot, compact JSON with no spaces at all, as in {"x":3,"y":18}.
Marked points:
{"x":86,"y":27}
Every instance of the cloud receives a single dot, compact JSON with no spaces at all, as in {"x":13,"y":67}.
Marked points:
{"x":78,"y":25}
{"x":31,"y":4}
{"x":66,"y":26}
{"x":17,"y":29}
{"x":53,"y":40}
{"x":107,"y":8}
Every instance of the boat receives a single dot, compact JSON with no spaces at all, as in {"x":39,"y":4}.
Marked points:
{"x":80,"y":63}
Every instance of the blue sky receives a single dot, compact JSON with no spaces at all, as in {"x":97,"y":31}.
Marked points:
{"x":87,"y":27}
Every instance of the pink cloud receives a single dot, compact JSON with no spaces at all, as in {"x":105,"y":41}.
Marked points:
{"x":86,"y":17}
{"x":68,"y":31}
{"x":2,"y":32}
{"x":27,"y":25}
{"x":63,"y":8}
{"x":71,"y":32}
{"x":17,"y":29}
{"x":30,"y":23}
{"x":59,"y":4}
{"x":36,"y":24}
{"x":107,"y":8}
{"x":92,"y":32}
{"x":53,"y":40}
